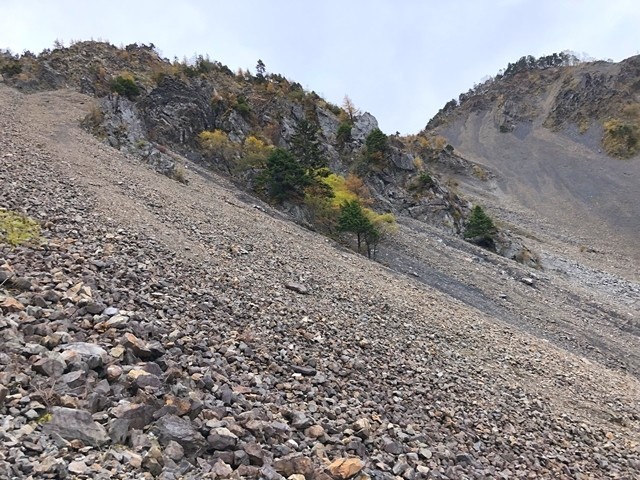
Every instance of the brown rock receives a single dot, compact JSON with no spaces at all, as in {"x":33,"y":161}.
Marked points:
{"x":315,"y":431}
{"x":10,"y":304}
{"x":221,"y":469}
{"x":344,"y":468}
{"x":294,"y":464}
{"x":114,"y":372}
{"x":255,"y":453}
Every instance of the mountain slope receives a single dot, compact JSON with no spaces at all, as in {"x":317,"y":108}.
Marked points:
{"x":544,"y":134}
{"x":250,"y":374}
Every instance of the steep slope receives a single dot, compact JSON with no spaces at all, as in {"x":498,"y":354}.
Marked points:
{"x":545,"y":134}
{"x":245,"y":343}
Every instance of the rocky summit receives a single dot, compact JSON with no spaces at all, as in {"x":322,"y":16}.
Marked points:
{"x":151,"y":328}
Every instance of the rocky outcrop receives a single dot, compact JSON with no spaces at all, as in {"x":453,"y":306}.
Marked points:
{"x":362,"y":126}
{"x":176,"y":111}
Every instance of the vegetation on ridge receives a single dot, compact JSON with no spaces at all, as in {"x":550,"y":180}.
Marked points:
{"x":263,"y":130}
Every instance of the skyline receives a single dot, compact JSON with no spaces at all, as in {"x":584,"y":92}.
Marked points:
{"x":401,"y":61}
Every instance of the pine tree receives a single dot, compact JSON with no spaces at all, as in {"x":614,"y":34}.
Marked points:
{"x":260,"y":70}
{"x":305,"y":145}
{"x":480,"y":227}
{"x":354,"y":220}
{"x":377,"y":144}
{"x":284,"y":177}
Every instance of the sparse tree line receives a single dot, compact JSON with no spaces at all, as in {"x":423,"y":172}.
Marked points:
{"x":337,"y":206}
{"x":524,"y":64}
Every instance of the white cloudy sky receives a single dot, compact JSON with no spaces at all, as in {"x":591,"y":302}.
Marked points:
{"x":399,"y":59}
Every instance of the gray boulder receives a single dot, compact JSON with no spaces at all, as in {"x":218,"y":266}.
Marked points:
{"x":72,"y":424}
{"x":173,"y":428}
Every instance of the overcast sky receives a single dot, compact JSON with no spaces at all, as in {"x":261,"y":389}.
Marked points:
{"x":400,"y":60}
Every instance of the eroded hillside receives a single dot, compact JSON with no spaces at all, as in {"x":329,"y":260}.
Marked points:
{"x":553,"y":138}
{"x":178,"y":330}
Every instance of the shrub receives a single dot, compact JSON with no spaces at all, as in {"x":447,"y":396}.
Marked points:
{"x":242,"y":106}
{"x":217,"y":145}
{"x":621,"y":139}
{"x":11,"y":68}
{"x":126,"y":86}
{"x":93,"y":121}
{"x":179,"y":175}
{"x":343,"y":136}
{"x":424,"y":181}
{"x":377,"y":144}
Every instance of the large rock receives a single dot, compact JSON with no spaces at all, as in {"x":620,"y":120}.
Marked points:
{"x":222,"y":439}
{"x":176,"y":111}
{"x":91,"y":354}
{"x":178,"y":429}
{"x":344,"y":468}
{"x":72,"y":424}
{"x":363,"y":126}
{"x":51,"y":364}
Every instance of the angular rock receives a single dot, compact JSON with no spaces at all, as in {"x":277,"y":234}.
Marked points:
{"x":73,"y":424}
{"x":139,"y":415}
{"x":221,"y":469}
{"x":117,"y":321}
{"x":95,"y":308}
{"x":10,"y":304}
{"x":179,"y":429}
{"x":51,"y":365}
{"x":141,"y":379}
{"x":93,"y":355}
{"x":78,"y":468}
{"x":344,"y":468}
{"x":314,"y":431}
{"x":222,"y":438}
{"x":362,"y":428}
{"x":306,"y":371}
{"x":138,"y":347}
{"x":113,"y":372}
{"x":255,"y":453}
{"x":74,"y":379}
{"x":174,"y":451}
{"x":297,"y":287}
{"x":110,"y":311}
{"x":293,"y":464}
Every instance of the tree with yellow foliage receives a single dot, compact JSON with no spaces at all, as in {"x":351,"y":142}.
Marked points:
{"x":218,"y":147}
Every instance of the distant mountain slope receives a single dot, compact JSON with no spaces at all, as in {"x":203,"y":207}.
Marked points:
{"x":554,"y":138}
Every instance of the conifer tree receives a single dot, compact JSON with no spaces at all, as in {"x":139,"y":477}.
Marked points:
{"x":354,"y":220}
{"x":480,"y":227}
{"x":305,"y":145}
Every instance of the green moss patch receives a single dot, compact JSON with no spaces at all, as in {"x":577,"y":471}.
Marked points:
{"x":17,"y":229}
